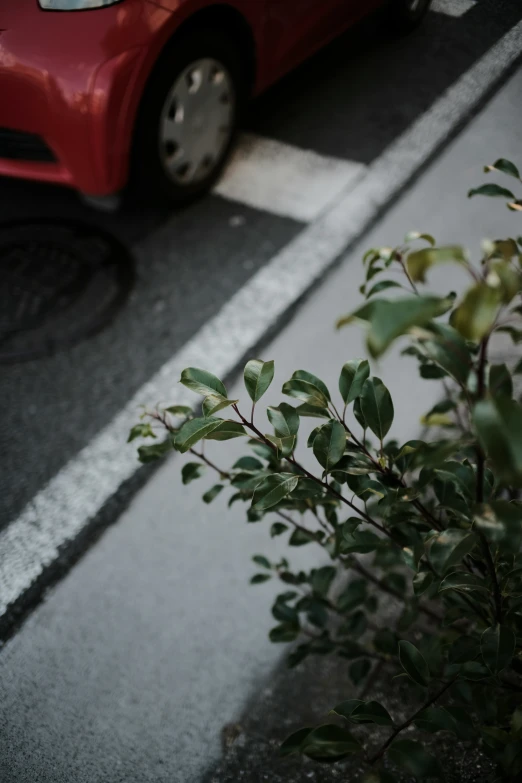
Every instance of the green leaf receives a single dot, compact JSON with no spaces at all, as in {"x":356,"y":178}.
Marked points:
{"x":346,"y":708}
{"x":357,"y":412}
{"x":449,"y":547}
{"x":250,"y":464}
{"x":357,"y":711}
{"x":391,"y":319}
{"x":284,"y":446}
{"x":292,"y":744}
{"x":354,"y":626}
{"x":277,"y":529}
{"x":413,"y":663}
{"x":303,"y":390}
{"x":258,"y":377}
{"x":499,"y":428}
{"x":322,"y":579}
{"x":212,"y":493}
{"x":202,"y":382}
{"x":272,"y":490}
{"x":435,"y":719}
{"x":504,"y":277}
{"x":214,"y":403}
{"x":497,"y":645}
{"x":262,"y":561}
{"x":286,"y":632}
{"x":313,"y":411}
{"x":301,"y":537}
{"x":420,"y":261}
{"x":226,"y":430}
{"x":505,"y":166}
{"x":412,"y":757}
{"x":421,"y":582}
{"x":352,"y":378}
{"x":179,"y":410}
{"x":258,"y":579}
{"x":284,"y":419}
{"x":464,"y":649}
{"x":307,"y":489}
{"x":371,"y":712}
{"x":377,"y":407}
{"x":329,"y":444}
{"x":476,"y":314}
{"x":191,"y":471}
{"x":490,"y":190}
{"x":352,"y":596}
{"x":329,"y":743}
{"x":444,"y":345}
{"x":411,"y":236}
{"x":500,"y":383}
{"x":359,"y":670}
{"x":382,"y":285}
{"x":304,"y":375}
{"x":463,"y":582}
{"x":501,"y":522}
{"x":154,"y":452}
{"x":141,"y":431}
{"x":193,"y":431}
{"x":360,"y":541}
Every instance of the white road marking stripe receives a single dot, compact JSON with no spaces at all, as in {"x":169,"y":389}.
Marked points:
{"x":61,"y":509}
{"x":285,"y":180}
{"x":454,"y":8}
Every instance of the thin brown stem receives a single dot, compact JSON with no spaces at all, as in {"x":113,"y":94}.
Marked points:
{"x":380,"y":753}
{"x":296,"y":525}
{"x":400,"y":259}
{"x":481,"y":391}
{"x":357,"y":566}
{"x":223,"y":473}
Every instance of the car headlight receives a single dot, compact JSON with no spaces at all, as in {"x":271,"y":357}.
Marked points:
{"x":74,"y":5}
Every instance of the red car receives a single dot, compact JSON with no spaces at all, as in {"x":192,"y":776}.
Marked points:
{"x":94,"y":92}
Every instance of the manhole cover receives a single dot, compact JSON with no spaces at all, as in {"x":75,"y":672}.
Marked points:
{"x":60,"y":282}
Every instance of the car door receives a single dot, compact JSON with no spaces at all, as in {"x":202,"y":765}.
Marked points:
{"x":296,"y":28}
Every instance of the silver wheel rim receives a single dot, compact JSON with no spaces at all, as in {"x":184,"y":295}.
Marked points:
{"x":196,"y":121}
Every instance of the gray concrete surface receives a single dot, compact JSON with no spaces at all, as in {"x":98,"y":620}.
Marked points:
{"x":133,"y":663}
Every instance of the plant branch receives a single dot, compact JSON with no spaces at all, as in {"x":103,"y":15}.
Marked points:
{"x":481,"y":391}
{"x":223,"y":473}
{"x":400,"y":259}
{"x":380,"y":753}
{"x":357,"y":566}
{"x":367,"y":518}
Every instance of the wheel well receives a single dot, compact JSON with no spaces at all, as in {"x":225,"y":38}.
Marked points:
{"x":227,"y":19}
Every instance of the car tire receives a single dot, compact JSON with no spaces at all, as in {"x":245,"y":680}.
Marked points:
{"x":161,"y":170}
{"x":405,"y":15}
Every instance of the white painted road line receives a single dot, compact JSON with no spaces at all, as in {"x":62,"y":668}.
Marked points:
{"x":62,"y":508}
{"x":285,"y":180}
{"x":454,"y":8}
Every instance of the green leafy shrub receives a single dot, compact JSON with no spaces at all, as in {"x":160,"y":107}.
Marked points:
{"x":433,"y":526}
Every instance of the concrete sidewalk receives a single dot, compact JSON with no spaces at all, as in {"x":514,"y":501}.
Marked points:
{"x":135,"y":661}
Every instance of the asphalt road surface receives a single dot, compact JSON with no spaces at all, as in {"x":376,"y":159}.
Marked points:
{"x":136,"y":660}
{"x":350,"y":102}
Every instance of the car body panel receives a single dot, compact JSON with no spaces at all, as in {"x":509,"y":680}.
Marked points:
{"x":75,"y":79}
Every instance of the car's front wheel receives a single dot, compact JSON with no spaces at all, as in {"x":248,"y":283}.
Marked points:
{"x":187,"y":119}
